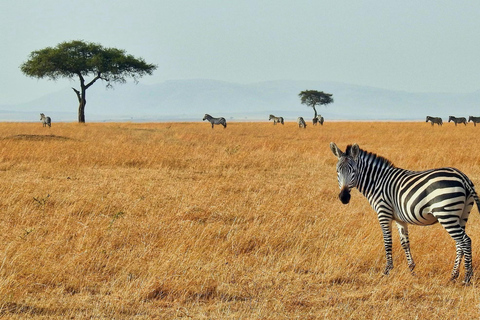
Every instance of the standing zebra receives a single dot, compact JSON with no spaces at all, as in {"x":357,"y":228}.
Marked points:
{"x":301,"y":123}
{"x":457,"y":120}
{"x":318,"y":119}
{"x":213,"y":120}
{"x":443,"y":195}
{"x":276,"y":119}
{"x":475,"y":120}
{"x":434,"y":120}
{"x":47,"y":121}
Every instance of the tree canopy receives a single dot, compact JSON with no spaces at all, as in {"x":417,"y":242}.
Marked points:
{"x":79,"y":59}
{"x":313,"y":98}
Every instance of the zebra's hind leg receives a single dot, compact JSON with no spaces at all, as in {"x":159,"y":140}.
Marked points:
{"x":403,"y":232}
{"x":463,"y":243}
{"x":463,"y":249}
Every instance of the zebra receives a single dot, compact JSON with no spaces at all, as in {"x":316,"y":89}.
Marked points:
{"x":475,"y":120}
{"x":213,"y":120}
{"x":301,"y":123}
{"x":434,"y":120}
{"x":276,"y":119}
{"x":457,"y":120}
{"x":47,"y":121}
{"x":443,"y":195}
{"x":318,"y":119}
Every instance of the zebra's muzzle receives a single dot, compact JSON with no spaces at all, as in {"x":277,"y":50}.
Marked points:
{"x":344,"y":195}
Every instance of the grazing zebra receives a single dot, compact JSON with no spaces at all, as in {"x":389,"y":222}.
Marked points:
{"x":47,"y":121}
{"x":434,"y":120}
{"x":276,"y":119}
{"x":457,"y":120}
{"x":213,"y":120}
{"x":318,"y":119}
{"x":443,"y":195}
{"x":475,"y":120}
{"x":301,"y":123}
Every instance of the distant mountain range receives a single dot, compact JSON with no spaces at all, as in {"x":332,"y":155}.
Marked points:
{"x":189,"y":100}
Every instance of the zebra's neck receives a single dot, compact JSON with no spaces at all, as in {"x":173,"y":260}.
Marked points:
{"x":370,"y":170}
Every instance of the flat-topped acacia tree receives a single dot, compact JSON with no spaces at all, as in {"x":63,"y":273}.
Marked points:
{"x":312,"y":98}
{"x":85,"y":59}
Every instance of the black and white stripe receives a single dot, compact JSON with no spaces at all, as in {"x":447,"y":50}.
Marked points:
{"x":301,"y":122}
{"x":46,"y":121}
{"x":457,"y":120}
{"x":475,"y":120}
{"x":318,"y":119}
{"x":276,"y":119}
{"x":434,"y":120}
{"x":443,"y":195}
{"x":214,"y":121}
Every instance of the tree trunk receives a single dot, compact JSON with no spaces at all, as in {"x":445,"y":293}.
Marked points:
{"x":315,"y":111}
{"x":81,"y":102}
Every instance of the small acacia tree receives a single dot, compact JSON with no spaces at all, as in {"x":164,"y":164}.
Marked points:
{"x":313,"y":97}
{"x":79,"y":59}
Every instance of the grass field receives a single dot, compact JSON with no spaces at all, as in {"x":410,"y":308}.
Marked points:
{"x":176,"y":220}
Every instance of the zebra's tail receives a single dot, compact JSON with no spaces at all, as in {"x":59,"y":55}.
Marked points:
{"x":477,"y":200}
{"x":471,"y":188}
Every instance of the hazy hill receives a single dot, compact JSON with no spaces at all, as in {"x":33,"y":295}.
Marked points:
{"x":189,"y":100}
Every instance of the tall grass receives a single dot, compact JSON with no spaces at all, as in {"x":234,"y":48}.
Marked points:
{"x":171,"y":220}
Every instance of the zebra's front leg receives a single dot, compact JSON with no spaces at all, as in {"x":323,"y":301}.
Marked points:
{"x":403,"y":231}
{"x":387,"y":241}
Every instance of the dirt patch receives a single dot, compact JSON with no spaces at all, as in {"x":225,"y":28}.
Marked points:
{"x":36,"y":137}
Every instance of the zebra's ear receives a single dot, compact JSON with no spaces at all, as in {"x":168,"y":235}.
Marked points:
{"x":336,"y":151}
{"x":354,"y":151}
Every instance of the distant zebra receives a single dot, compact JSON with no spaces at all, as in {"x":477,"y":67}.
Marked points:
{"x":475,"y":120}
{"x":47,"y":121}
{"x":276,"y":119}
{"x":443,"y":195}
{"x":434,"y":120}
{"x":301,"y":123}
{"x":213,"y":120}
{"x":318,"y":119}
{"x":457,"y":120}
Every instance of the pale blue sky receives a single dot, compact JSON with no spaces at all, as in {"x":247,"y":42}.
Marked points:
{"x":418,"y":46}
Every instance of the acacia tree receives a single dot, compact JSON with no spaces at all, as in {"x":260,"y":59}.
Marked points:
{"x":79,"y":59}
{"x":313,"y":97}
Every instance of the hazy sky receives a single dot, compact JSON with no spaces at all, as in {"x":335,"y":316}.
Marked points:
{"x":419,"y":46}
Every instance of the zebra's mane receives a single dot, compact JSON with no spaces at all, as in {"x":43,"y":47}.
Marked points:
{"x":373,"y":157}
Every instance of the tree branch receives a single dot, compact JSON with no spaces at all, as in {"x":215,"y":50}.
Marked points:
{"x":99,"y":76}
{"x":79,"y":96}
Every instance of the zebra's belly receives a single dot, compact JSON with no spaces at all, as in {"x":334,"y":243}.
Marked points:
{"x":423,"y":218}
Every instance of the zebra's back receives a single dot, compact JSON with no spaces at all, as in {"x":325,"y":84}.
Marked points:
{"x":415,"y":194}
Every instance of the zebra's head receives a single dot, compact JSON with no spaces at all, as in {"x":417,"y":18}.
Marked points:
{"x":346,"y":169}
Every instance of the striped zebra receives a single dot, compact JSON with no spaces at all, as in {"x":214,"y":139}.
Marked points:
{"x":475,"y":120}
{"x":276,"y":119}
{"x":457,"y":120}
{"x":443,"y":195}
{"x":318,"y":119}
{"x":301,"y":123}
{"x":214,"y":121}
{"x":434,"y":120}
{"x":47,"y":121}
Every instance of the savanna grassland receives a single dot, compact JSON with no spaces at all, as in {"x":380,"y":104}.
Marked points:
{"x":176,"y":220}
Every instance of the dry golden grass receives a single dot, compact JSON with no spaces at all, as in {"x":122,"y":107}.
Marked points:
{"x":172,"y":220}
